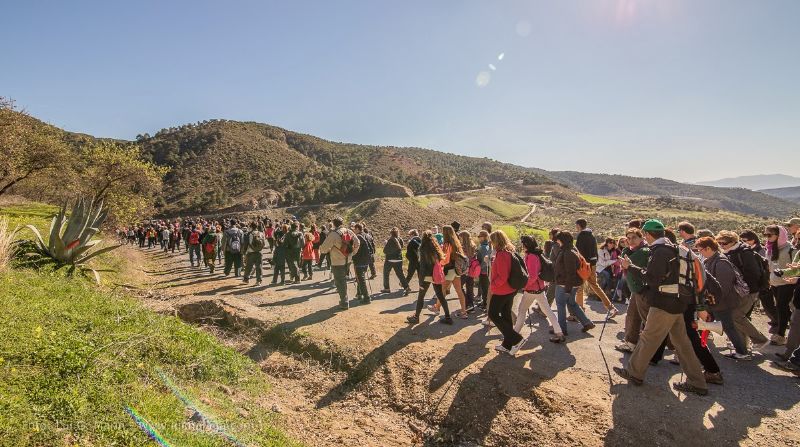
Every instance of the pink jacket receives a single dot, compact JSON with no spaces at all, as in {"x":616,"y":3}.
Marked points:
{"x":535,"y":283}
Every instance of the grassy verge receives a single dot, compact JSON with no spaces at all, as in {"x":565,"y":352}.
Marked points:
{"x":37,"y":214}
{"x":74,"y":357}
{"x":516,"y":231}
{"x":506,"y":210}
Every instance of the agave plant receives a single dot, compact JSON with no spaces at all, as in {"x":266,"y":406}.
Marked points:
{"x":70,"y":239}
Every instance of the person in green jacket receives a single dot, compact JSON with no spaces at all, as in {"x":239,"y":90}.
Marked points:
{"x":638,"y":253}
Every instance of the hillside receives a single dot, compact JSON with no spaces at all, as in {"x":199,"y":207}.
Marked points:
{"x":792,"y":193}
{"x":755,"y":182}
{"x":218,"y":164}
{"x":731,"y":199}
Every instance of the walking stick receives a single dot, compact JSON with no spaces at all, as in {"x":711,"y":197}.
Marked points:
{"x":602,"y":354}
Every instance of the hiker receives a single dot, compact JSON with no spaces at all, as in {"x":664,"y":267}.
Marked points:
{"x":665,"y":316}
{"x":606,"y":260}
{"x":308,"y":254}
{"x":232,"y":241}
{"x":587,"y":247}
{"x":194,"y":246}
{"x":254,"y":243}
{"x":323,"y":234}
{"x":316,"y":241}
{"x":412,"y":254}
{"x":175,"y":239}
{"x":209,"y":242}
{"x":430,"y":272}
{"x":779,"y":255}
{"x":454,"y":264}
{"x":439,"y":236}
{"x":371,"y":243}
{"x":793,"y":228}
{"x":340,"y":243}
{"x":502,"y":292}
{"x":393,"y":252}
{"x":749,"y":264}
{"x":293,"y":244}
{"x":279,"y":255}
{"x":534,"y":290}
{"x":637,"y":253}
{"x":484,"y":255}
{"x":269,"y":233}
{"x":551,"y":249}
{"x":361,"y":260}
{"x":621,"y":292}
{"x":467,"y":280}
{"x":567,"y":283}
{"x":151,"y":237}
{"x":163,"y":235}
{"x":686,"y":232}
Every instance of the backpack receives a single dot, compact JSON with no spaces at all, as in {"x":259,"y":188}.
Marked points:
{"x":194,"y":238}
{"x":474,"y":268}
{"x":235,"y":243}
{"x":584,"y":268}
{"x":461,"y":264}
{"x":518,"y":277}
{"x":347,"y":243}
{"x":692,"y":275}
{"x":547,"y":272}
{"x":739,"y":285}
{"x":256,"y":241}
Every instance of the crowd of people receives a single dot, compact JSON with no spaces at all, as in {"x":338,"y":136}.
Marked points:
{"x":678,"y":284}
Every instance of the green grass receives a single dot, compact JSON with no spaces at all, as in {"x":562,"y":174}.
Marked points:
{"x":506,"y":210}
{"x":423,"y":202}
{"x":516,"y":231}
{"x":37,"y":214}
{"x":600,"y":200}
{"x":72,"y":357}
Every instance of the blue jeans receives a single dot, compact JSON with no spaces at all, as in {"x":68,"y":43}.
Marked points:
{"x":726,"y":318}
{"x":566,"y":299}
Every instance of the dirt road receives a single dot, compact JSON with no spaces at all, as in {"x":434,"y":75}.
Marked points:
{"x":365,"y":377}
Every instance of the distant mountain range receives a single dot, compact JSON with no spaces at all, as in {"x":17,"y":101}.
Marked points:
{"x":755,"y":182}
{"x":792,"y":193}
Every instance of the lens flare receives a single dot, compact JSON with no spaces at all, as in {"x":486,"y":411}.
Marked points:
{"x":483,"y":79}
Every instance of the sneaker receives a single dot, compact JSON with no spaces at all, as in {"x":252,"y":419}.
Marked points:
{"x":571,"y":318}
{"x":406,"y":291}
{"x":500,"y":348}
{"x":736,"y":356}
{"x":777,"y":340}
{"x":433,"y":309}
{"x":344,"y":306}
{"x":514,"y":349}
{"x":413,"y":319}
{"x":613,"y":312}
{"x":460,"y":314}
{"x":446,"y":320}
{"x":713,"y":378}
{"x":386,"y":291}
{"x":622,"y":372}
{"x":788,"y":366}
{"x":470,"y":309}
{"x":488,"y":323}
{"x":588,"y":327}
{"x":258,"y":283}
{"x":686,"y":388}
{"x":625,"y":347}
{"x":558,"y":338}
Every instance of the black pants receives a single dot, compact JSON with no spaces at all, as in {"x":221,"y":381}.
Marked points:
{"x":483,"y":287}
{"x":437,"y":289}
{"x":372,"y":271}
{"x":361,"y":283}
{"x":279,"y":268}
{"x":783,"y":296}
{"x":271,"y":242}
{"x":703,"y":353}
{"x":768,"y":304}
{"x":292,"y":260}
{"x":500,"y":314}
{"x":468,"y":285}
{"x":307,"y":267}
{"x":231,"y":260}
{"x":398,"y":269}
{"x":324,"y":257}
{"x":413,"y":267}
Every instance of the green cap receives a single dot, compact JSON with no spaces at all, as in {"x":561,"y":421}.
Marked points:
{"x":653,"y":225}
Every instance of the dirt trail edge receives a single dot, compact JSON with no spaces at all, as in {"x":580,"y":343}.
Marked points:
{"x":365,"y":377}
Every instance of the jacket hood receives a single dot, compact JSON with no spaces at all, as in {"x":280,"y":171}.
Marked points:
{"x":783,"y":239}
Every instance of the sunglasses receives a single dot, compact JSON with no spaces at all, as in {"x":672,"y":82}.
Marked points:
{"x":769,"y":234}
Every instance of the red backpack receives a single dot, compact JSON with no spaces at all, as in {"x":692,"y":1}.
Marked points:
{"x":347,"y":243}
{"x":584,"y":268}
{"x":194,"y":238}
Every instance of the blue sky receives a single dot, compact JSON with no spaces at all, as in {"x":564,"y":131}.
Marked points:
{"x":681,"y":89}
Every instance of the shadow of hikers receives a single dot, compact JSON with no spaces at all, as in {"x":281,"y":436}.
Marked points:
{"x":285,"y":336}
{"x":653,"y":414}
{"x":293,"y":300}
{"x":483,"y":395}
{"x":367,"y":366}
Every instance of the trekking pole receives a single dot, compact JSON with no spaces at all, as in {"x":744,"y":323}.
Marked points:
{"x":602,"y":354}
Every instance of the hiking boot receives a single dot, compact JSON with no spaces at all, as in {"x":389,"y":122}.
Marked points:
{"x":258,"y":283}
{"x":344,"y":306}
{"x":558,"y":338}
{"x":788,"y":366}
{"x":246,"y":280}
{"x":622,"y":372}
{"x":571,"y":318}
{"x":588,"y":327}
{"x":736,"y":356}
{"x":625,"y":347}
{"x":713,"y":378}
{"x":412,"y":319}
{"x":685,"y":387}
{"x":366,"y":300}
{"x":446,"y":320}
{"x":777,"y":340}
{"x":386,"y":291}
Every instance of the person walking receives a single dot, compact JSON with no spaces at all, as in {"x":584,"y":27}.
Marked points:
{"x":779,"y":254}
{"x":341,"y":243}
{"x":534,"y":290}
{"x":467,"y":281}
{"x":232,"y":241}
{"x":430,"y":256}
{"x":361,"y":261}
{"x":587,"y":247}
{"x":502,"y":292}
{"x":412,"y":254}
{"x":193,"y":243}
{"x":637,"y":253}
{"x":269,"y":233}
{"x":293,"y":244}
{"x":279,"y":255}
{"x":393,"y":252}
{"x":254,"y":243}
{"x":484,"y":255}
{"x":307,"y":256}
{"x":209,"y":243}
{"x":665,"y":316}
{"x":567,"y":282}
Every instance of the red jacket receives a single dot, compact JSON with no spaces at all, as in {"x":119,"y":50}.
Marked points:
{"x":501,"y":269}
{"x":308,"y":251}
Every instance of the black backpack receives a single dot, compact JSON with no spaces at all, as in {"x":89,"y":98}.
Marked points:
{"x":547,"y":272}
{"x":518,"y":277}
